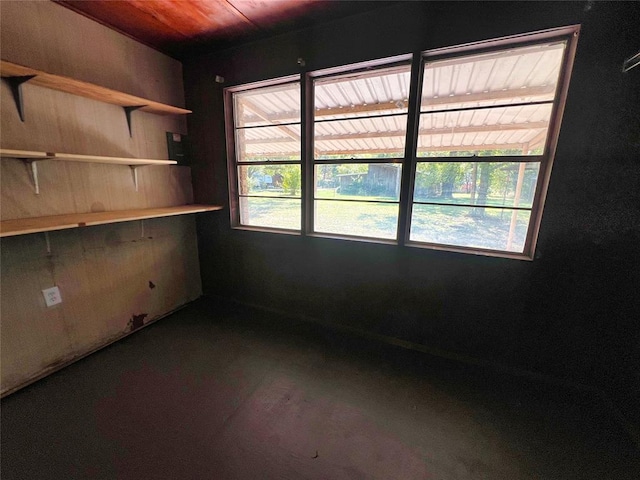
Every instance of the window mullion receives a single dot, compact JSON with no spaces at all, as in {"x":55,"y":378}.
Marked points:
{"x":306,"y":131}
{"x":411,"y":143}
{"x":232,"y":172}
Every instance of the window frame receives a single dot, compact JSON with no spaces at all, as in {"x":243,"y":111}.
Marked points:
{"x":410,"y":160}
{"x":570,"y":35}
{"x":232,"y":161}
{"x":312,"y":162}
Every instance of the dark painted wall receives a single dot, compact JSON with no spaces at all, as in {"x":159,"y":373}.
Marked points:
{"x":574,"y":312}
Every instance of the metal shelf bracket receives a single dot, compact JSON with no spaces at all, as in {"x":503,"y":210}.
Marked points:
{"x":33,"y":173}
{"x":16,"y":90}
{"x":134,"y":172}
{"x":127,"y":112}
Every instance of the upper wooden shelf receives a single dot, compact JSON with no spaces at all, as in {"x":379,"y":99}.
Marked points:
{"x":85,"y":89}
{"x":72,"y":157}
{"x":23,"y":226}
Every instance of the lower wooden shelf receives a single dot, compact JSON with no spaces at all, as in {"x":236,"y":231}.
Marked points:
{"x":23,"y":226}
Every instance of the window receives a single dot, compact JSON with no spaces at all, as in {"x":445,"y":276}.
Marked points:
{"x":360,"y":127}
{"x":266,"y":127}
{"x":483,"y":128}
{"x":451,"y":149}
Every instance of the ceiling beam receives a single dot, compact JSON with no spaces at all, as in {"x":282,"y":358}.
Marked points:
{"x":537,"y":141}
{"x":265,"y":116}
{"x":421,"y":133}
{"x":446,"y":148}
{"x":399,"y":152}
{"x":388,"y":107}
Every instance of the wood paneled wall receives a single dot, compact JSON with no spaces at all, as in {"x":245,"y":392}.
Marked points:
{"x":112,"y":278}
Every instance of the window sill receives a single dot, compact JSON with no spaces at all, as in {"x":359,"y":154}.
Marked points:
{"x":473,"y":251}
{"x":353,"y":238}
{"x":278,"y":231}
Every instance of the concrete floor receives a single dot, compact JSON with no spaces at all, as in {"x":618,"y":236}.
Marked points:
{"x":220,"y":392}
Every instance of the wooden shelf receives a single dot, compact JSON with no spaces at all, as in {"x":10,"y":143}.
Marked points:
{"x":23,"y":226}
{"x":72,"y":157}
{"x":85,"y":89}
{"x":34,"y":157}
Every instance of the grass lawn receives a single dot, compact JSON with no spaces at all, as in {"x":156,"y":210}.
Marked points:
{"x":459,"y":226}
{"x":446,"y":224}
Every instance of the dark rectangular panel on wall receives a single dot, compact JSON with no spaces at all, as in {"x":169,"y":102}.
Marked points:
{"x":178,"y":147}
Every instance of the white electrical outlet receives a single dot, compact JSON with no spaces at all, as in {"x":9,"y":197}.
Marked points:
{"x":52,"y":296}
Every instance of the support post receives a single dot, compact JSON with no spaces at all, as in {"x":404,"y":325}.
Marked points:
{"x":516,"y":202}
{"x":16,"y":90}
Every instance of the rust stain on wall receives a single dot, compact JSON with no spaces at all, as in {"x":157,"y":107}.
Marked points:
{"x":136,"y":321}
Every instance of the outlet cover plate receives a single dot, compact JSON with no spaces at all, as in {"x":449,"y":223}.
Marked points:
{"x":52,"y":296}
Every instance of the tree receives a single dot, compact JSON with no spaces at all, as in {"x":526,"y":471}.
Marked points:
{"x":450,"y":173}
{"x":291,"y":179}
{"x":438,"y":179}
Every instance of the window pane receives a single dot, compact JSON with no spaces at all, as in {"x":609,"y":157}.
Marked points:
{"x":479,"y":227}
{"x":492,"y":131}
{"x":509,"y":184}
{"x":515,"y":75}
{"x":268,"y":143}
{"x":267,"y":105}
{"x":269,"y":180}
{"x":373,"y":181}
{"x":363,"y":219}
{"x":361,"y":94}
{"x":381,"y":137}
{"x":270,"y":212}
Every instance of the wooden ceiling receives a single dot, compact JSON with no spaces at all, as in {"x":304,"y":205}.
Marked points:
{"x":183,"y":27}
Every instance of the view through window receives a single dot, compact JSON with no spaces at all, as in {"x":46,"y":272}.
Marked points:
{"x":360,"y":127}
{"x":473,"y":162}
{"x":484,"y":122}
{"x":268,"y":152}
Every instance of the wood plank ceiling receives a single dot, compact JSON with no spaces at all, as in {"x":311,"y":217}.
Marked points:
{"x":183,"y":27}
